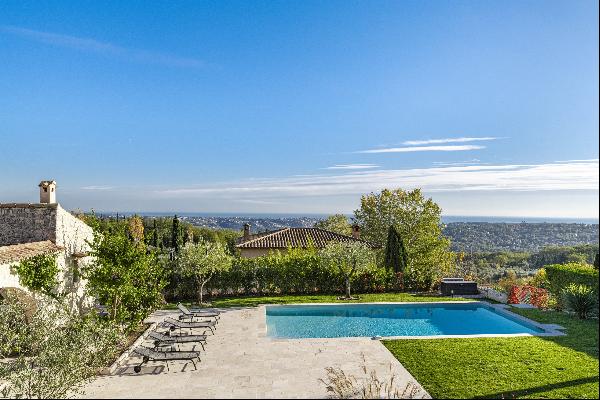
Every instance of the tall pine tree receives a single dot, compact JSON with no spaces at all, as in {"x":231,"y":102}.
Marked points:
{"x":395,"y":253}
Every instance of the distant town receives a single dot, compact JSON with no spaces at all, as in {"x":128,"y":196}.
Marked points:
{"x":494,"y":234}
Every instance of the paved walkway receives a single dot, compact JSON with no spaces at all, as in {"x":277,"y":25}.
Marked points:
{"x":242,"y":362}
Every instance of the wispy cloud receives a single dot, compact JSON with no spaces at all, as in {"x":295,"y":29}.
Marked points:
{"x":474,"y":161}
{"x":104,"y":48}
{"x":578,"y":161}
{"x":98,"y":187}
{"x":513,"y":177}
{"x":448,"y":140}
{"x":422,"y":148}
{"x":352,"y":166}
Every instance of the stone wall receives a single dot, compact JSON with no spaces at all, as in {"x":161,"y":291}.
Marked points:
{"x":26,"y":223}
{"x":492,"y":294}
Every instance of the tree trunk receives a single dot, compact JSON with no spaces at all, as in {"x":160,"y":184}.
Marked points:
{"x":348,"y":287}
{"x":201,"y":291}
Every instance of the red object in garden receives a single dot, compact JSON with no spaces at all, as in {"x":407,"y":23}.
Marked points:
{"x":527,"y":294}
{"x":513,"y":296}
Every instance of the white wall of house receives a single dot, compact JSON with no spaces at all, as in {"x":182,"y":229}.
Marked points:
{"x":7,"y":278}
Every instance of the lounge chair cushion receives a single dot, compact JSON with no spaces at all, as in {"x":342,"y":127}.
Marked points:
{"x":176,"y":339}
{"x":182,"y":324}
{"x":197,"y":312}
{"x":166,"y":355}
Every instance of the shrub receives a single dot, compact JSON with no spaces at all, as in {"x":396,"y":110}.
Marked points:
{"x":581,"y":299}
{"x":341,"y":385}
{"x":297,"y":271}
{"x":540,"y":279}
{"x":58,"y":351}
{"x":561,"y":276}
{"x":13,"y":327}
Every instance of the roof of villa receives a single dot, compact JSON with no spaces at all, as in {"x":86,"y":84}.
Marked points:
{"x":296,"y":237}
{"x":18,"y":252}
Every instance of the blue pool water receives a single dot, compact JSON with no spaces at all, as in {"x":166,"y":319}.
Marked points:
{"x":367,"y":320}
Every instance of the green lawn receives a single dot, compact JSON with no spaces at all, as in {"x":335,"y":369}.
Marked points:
{"x":243,"y":301}
{"x":529,"y":367}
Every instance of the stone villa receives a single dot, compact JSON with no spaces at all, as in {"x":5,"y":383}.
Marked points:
{"x":30,"y":229}
{"x":260,"y":244}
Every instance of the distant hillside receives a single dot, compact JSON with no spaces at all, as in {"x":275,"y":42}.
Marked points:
{"x":485,"y":236}
{"x":465,"y":236}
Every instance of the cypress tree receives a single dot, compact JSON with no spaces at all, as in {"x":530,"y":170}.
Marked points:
{"x":395,"y":253}
{"x":596,"y":261}
{"x":155,"y":235}
{"x":175,"y":234}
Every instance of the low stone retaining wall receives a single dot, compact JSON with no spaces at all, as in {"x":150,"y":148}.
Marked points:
{"x":493,"y":294}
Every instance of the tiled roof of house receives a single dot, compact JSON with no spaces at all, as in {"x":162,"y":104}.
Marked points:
{"x":18,"y":252}
{"x":296,"y":237}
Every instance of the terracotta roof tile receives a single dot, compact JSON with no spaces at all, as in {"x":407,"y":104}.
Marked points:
{"x":18,"y":252}
{"x":296,"y":237}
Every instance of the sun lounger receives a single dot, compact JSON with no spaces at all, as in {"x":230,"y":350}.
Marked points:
{"x":186,"y":313}
{"x":174,"y":324}
{"x":160,"y":339}
{"x":149,"y":354}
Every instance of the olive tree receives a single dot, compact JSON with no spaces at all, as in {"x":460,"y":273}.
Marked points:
{"x":200,"y":261}
{"x":348,"y":258}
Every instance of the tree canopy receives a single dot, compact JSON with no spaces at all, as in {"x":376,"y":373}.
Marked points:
{"x":201,"y":261}
{"x":337,"y":223}
{"x":124,"y":277}
{"x":418,"y":221}
{"x":348,"y":258}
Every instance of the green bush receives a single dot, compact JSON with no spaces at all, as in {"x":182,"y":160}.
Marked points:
{"x":581,"y":299}
{"x":560,"y":276}
{"x":53,"y":354}
{"x":298,"y":271}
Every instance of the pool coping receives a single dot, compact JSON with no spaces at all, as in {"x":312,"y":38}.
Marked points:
{"x":548,"y":329}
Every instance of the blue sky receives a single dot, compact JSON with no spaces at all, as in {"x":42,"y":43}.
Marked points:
{"x":490,"y":106}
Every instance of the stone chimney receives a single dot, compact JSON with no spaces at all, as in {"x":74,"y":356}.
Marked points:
{"x":47,"y":192}
{"x":356,"y":231}
{"x":246,"y":232}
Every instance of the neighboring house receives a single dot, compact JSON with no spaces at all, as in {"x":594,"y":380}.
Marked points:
{"x":260,"y":244}
{"x":28,"y":230}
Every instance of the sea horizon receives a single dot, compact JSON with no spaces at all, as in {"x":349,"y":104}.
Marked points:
{"x":445,"y":218}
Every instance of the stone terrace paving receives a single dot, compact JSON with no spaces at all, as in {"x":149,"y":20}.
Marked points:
{"x":242,"y":362}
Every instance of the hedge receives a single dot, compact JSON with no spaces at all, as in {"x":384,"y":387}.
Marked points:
{"x":561,"y":275}
{"x":295,"y":272}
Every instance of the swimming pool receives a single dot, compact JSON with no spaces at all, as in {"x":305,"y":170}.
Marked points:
{"x":369,"y":320}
